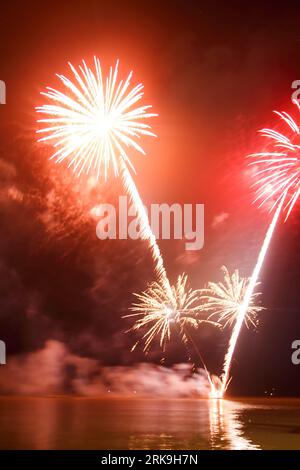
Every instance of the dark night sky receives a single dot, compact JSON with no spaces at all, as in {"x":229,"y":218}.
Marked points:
{"x":214,"y":71}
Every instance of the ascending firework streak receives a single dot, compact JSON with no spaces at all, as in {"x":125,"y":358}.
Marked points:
{"x":278,"y":181}
{"x":92,"y":124}
{"x":146,"y":232}
{"x":226,"y":300}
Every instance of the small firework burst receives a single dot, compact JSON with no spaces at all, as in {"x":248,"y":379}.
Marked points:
{"x":225,"y":299}
{"x":159,"y":312}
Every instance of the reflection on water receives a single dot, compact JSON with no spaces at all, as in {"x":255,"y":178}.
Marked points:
{"x":226,"y":428}
{"x":118,"y":423}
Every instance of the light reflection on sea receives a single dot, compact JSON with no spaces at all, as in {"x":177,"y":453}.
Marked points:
{"x":143,"y":423}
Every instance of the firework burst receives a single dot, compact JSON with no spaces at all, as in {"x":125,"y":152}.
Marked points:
{"x":277,"y":170}
{"x":224,"y":299}
{"x":95,"y":120}
{"x":92,"y":124}
{"x":159,"y":313}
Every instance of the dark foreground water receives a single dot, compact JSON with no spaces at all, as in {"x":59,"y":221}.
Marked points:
{"x":84,"y":423}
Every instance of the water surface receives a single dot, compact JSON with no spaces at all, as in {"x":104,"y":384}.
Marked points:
{"x":140,"y":423}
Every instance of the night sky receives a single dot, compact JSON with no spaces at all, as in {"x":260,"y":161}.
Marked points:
{"x":214,"y":71}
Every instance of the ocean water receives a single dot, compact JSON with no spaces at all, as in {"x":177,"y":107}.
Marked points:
{"x":144,"y":423}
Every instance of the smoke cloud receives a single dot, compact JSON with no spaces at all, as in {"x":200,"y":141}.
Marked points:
{"x":55,"y":370}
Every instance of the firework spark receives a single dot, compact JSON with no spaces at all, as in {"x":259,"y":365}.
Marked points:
{"x":225,"y":299}
{"x":92,"y":124}
{"x":158,"y":312}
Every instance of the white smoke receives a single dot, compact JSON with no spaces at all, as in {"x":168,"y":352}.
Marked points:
{"x":55,"y":370}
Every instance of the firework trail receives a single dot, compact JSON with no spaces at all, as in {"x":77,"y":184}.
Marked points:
{"x":92,"y":124}
{"x":247,"y":299}
{"x":277,"y":173}
{"x":145,"y":229}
